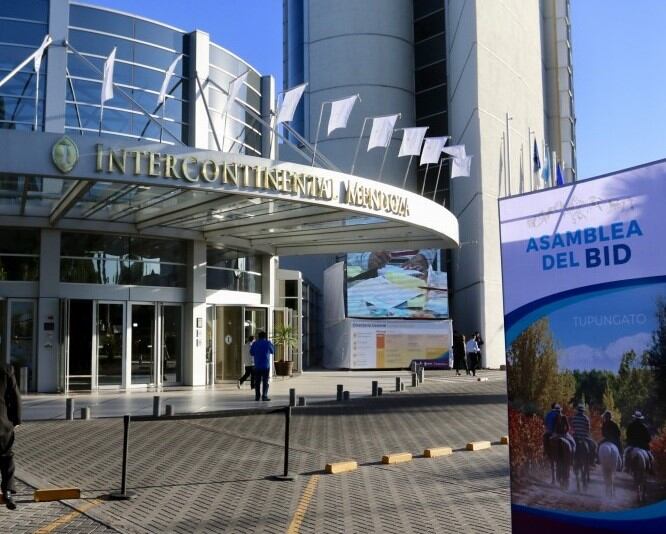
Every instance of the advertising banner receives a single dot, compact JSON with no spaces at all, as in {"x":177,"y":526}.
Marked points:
{"x":584,"y":281}
{"x":396,"y":344}
{"x":407,"y":284}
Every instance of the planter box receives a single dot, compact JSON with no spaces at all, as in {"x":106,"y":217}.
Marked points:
{"x":284,"y":368}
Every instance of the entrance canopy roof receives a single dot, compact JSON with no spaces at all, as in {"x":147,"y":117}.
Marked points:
{"x":242,"y":202}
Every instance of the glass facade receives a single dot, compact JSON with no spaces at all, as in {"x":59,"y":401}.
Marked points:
{"x":229,"y":269}
{"x":23,"y":26}
{"x":144,"y":51}
{"x":19,"y":255}
{"x":122,"y":260}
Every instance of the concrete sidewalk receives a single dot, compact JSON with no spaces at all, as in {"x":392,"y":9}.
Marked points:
{"x":315,"y":386}
{"x":214,"y":475}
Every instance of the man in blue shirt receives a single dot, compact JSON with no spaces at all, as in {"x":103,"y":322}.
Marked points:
{"x":261,"y":351}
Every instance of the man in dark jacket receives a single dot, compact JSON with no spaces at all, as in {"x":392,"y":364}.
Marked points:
{"x":261,"y":351}
{"x":459,"y":359}
{"x":10,"y":417}
{"x":610,"y":431}
{"x":638,"y":436}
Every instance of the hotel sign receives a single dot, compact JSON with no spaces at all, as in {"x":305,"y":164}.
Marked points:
{"x":245,"y":177}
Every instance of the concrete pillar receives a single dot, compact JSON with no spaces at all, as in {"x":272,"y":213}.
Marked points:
{"x":199,"y":64}
{"x":195,"y":316}
{"x":268,"y":107}
{"x":54,"y":120}
{"x":48,"y":313}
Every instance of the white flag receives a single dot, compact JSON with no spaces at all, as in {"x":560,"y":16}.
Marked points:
{"x":382,"y":130}
{"x":39,"y":53}
{"x":412,"y":140}
{"x":340,"y":111}
{"x":457,"y":151}
{"x":461,"y":166}
{"x":107,"y":82}
{"x":234,"y":89}
{"x":432,"y":149}
{"x":167,"y":79}
{"x":290,"y":103}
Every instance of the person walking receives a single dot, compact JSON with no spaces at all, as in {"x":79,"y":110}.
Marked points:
{"x":479,"y":343}
{"x":248,"y":364}
{"x":261,"y":351}
{"x":472,"y":349}
{"x":10,"y":418}
{"x":459,"y":359}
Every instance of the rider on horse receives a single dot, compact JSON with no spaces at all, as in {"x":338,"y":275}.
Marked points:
{"x":581,"y":431}
{"x":562,"y":429}
{"x":638,"y":436}
{"x":610,"y":431}
{"x":549,"y":423}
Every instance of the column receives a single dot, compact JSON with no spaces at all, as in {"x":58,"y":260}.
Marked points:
{"x":48,"y":310}
{"x":268,"y":135}
{"x":199,"y":64}
{"x":195,"y":316}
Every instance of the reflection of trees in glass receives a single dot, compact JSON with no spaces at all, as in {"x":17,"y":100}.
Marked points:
{"x":533,"y":379}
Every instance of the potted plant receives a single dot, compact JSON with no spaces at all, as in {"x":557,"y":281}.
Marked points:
{"x":284,"y":338}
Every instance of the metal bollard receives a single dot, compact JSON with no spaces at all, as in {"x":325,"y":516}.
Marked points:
{"x":123,"y":494}
{"x":402,"y":386}
{"x":69,"y":409}
{"x":302,"y":401}
{"x":421,"y":374}
{"x":292,"y":397}
{"x":169,"y":410}
{"x":345,"y":395}
{"x":286,"y":475}
{"x":338,"y":394}
{"x":375,"y":385}
{"x":157,"y":409}
{"x":23,"y":380}
{"x":414,"y":380}
{"x":398,"y":383}
{"x":380,"y":391}
{"x":85,"y":413}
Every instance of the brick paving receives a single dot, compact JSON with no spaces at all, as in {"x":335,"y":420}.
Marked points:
{"x":213,"y":475}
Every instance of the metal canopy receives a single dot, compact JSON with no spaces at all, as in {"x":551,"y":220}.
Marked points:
{"x":262,"y":221}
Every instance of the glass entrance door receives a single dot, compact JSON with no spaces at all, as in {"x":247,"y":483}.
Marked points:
{"x":110,"y":343}
{"x":229,"y":342}
{"x":79,"y":339}
{"x":171,"y":345}
{"x":143,"y":344}
{"x":21,"y":319}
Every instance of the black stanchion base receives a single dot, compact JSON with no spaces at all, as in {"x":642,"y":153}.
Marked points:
{"x":117,"y":496}
{"x":287,"y":477}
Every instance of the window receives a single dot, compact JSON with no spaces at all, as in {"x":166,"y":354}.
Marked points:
{"x":229,"y":269}
{"x":19,"y":255}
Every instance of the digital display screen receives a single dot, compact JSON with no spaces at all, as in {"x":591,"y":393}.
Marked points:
{"x":407,"y":284}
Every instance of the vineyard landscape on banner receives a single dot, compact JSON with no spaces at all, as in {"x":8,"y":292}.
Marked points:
{"x":584,"y":281}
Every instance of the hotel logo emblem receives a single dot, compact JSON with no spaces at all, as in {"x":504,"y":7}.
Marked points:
{"x":65,"y":154}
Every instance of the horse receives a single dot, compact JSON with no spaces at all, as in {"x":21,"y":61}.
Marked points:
{"x":610,"y":460}
{"x":561,"y":453}
{"x":582,"y":462}
{"x":638,"y":461}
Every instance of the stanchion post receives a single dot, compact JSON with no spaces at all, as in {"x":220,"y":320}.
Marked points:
{"x":286,"y":475}
{"x":380,"y":392}
{"x":85,"y":413}
{"x":414,"y":380}
{"x":338,"y":395}
{"x":69,"y":409}
{"x":124,"y":494}
{"x":292,"y":397}
{"x":375,"y":385}
{"x":397,"y":383}
{"x":157,"y":409}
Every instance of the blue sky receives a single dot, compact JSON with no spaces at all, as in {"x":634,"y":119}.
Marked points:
{"x":619,"y":48}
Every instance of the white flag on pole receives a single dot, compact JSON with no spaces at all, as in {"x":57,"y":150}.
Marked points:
{"x":340,"y":111}
{"x":461,"y":166}
{"x":290,"y":103}
{"x":39,"y":53}
{"x":167,"y":79}
{"x":432,"y":149}
{"x":457,"y":151}
{"x":412,"y":139}
{"x":382,"y":130}
{"x":107,"y":81}
{"x":234,"y":89}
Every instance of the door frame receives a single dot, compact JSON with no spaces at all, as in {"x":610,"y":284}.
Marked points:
{"x":159,"y":371}
{"x":95,"y":353}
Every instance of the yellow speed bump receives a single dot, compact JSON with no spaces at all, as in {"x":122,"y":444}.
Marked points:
{"x":341,"y":467}
{"x":397,"y":458}
{"x":434,"y":452}
{"x":56,"y":494}
{"x":478,"y":445}
{"x":504,"y":440}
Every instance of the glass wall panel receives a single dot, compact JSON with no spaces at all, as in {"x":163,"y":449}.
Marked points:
{"x":110,"y":343}
{"x":19,"y":254}
{"x":34,"y":10}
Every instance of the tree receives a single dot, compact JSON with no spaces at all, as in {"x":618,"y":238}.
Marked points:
{"x":657,"y":361}
{"x":633,"y":387}
{"x":608,"y":403}
{"x":532,"y":371}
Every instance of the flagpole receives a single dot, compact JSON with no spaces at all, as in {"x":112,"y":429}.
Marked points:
{"x":162,"y":125}
{"x":19,"y":67}
{"x":508,"y":153}
{"x":381,"y":168}
{"x":425,"y":176}
{"x":530,"y":156}
{"x":439,"y":171}
{"x":358,"y":145}
{"x":404,"y":181}
{"x":321,"y":112}
{"x":36,"y":97}
{"x":101,"y":115}
{"x":522,"y":174}
{"x":503,"y":178}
